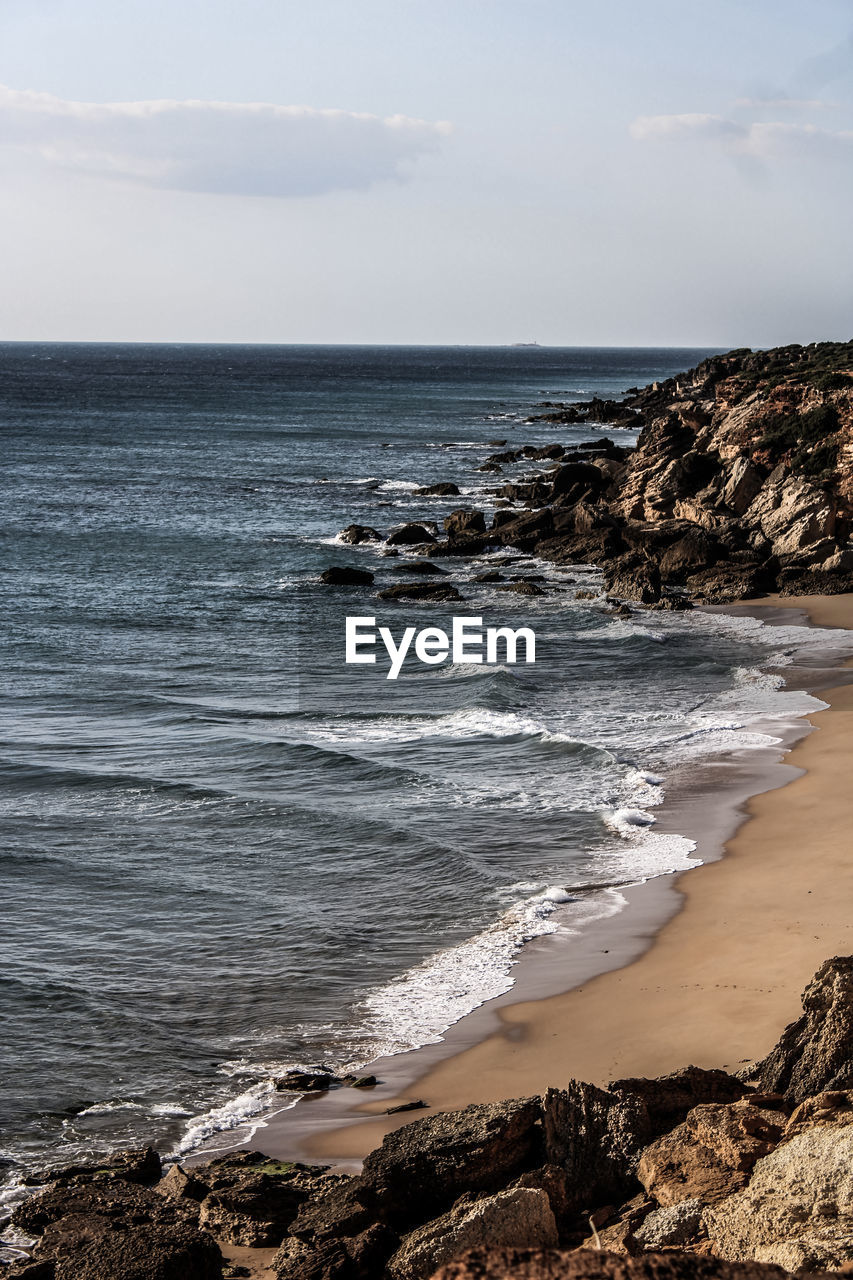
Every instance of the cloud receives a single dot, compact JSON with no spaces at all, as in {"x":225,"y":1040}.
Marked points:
{"x":229,"y":148}
{"x":760,"y":140}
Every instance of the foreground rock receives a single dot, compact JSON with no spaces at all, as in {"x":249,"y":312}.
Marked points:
{"x":586,"y":1264}
{"x":346,"y":576}
{"x":816,"y":1052}
{"x":697,"y":1161}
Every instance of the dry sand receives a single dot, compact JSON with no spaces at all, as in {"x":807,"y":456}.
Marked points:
{"x":723,"y":978}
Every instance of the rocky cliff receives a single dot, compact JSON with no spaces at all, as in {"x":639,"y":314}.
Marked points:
{"x":741,"y":482}
{"x":698,"y":1175}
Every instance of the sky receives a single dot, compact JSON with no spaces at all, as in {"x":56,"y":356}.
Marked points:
{"x":671,"y":173}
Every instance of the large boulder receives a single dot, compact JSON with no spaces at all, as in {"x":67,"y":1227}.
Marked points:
{"x":815,"y":1052}
{"x":590,"y":1264}
{"x":346,"y":576}
{"x":712,"y":1153}
{"x":444,"y":489}
{"x":139,"y":1165}
{"x":797,"y":1210}
{"x":356,"y":533}
{"x":422,"y":1168}
{"x":89,"y":1231}
{"x":595,"y":1136}
{"x":409,"y":535}
{"x":337,"y":1235}
{"x":439,"y":591}
{"x":521,"y":1217}
{"x":460,"y":523}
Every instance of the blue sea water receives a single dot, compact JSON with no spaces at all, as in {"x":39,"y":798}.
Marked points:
{"x":224,"y":852}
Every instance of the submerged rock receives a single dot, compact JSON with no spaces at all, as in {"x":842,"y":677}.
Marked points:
{"x":346,"y":576}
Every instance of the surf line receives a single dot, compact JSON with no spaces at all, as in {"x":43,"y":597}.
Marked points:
{"x":468,"y":642}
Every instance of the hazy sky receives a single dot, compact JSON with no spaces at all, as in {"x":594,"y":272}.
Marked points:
{"x":475,"y":171}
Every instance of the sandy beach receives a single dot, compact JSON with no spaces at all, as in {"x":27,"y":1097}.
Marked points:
{"x":721,"y":980}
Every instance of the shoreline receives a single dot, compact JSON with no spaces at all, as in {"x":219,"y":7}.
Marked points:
{"x":572,"y":1014}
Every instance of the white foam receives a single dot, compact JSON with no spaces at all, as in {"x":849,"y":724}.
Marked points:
{"x":231,"y":1115}
{"x":417,"y":1008}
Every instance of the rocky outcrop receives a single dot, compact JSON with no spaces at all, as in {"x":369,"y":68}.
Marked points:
{"x":409,"y":535}
{"x":420,"y":591}
{"x":815,"y":1053}
{"x":697,"y":1161}
{"x":797,"y":1210}
{"x":588,"y":1264}
{"x":741,"y":482}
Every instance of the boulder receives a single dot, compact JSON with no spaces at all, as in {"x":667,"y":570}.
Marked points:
{"x":140,"y":1165}
{"x":523,"y":587}
{"x":444,"y":489}
{"x":742,"y":485}
{"x":464,"y":522}
{"x":346,"y":576}
{"x":522,"y":531}
{"x":673,"y":1227}
{"x":422,"y":1168}
{"x":355,"y":533}
{"x":595,"y":1136}
{"x":814,"y":1053}
{"x":668,"y":1099}
{"x":635,"y":582}
{"x":712,"y":1153}
{"x":520,"y":1217}
{"x":424,"y":568}
{"x":420,"y":591}
{"x":695,"y":551}
{"x":727,"y":582}
{"x":797,"y":1210}
{"x":305,"y":1081}
{"x":89,"y":1231}
{"x":336,"y":1235}
{"x":408,"y":535}
{"x":590,"y":1264}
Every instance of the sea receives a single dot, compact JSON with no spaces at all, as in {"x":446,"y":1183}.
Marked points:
{"x":225,"y":852}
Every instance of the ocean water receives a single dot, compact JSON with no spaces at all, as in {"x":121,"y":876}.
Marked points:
{"x":223,"y":852}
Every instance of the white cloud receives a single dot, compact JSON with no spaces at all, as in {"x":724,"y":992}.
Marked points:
{"x":228,"y":148}
{"x":760,"y":140}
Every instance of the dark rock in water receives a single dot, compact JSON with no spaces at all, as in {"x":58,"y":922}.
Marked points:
{"x":523,"y":531}
{"x":346,"y":576}
{"x":496,"y":444}
{"x":421,"y":567}
{"x":491,"y":576}
{"x":355,"y":533}
{"x":408,"y":535}
{"x":523,"y":588}
{"x":443,"y":490}
{"x":589,"y":1264}
{"x":459,"y":523}
{"x":139,"y":1166}
{"x":359,"y":1082}
{"x":815,"y":1053}
{"x":418,"y":1105}
{"x":491,"y":467}
{"x":462,"y":545}
{"x":305,"y":1081}
{"x":420,"y":591}
{"x":421,"y":1169}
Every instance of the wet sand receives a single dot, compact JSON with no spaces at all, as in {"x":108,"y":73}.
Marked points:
{"x":714,"y":986}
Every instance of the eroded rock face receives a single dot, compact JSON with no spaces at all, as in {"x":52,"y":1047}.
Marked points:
{"x":797,"y":1210}
{"x":118,"y":1230}
{"x":589,"y":1264}
{"x":711,"y":1154}
{"x":520,"y":1217}
{"x":421,"y":1169}
{"x":814,"y":1053}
